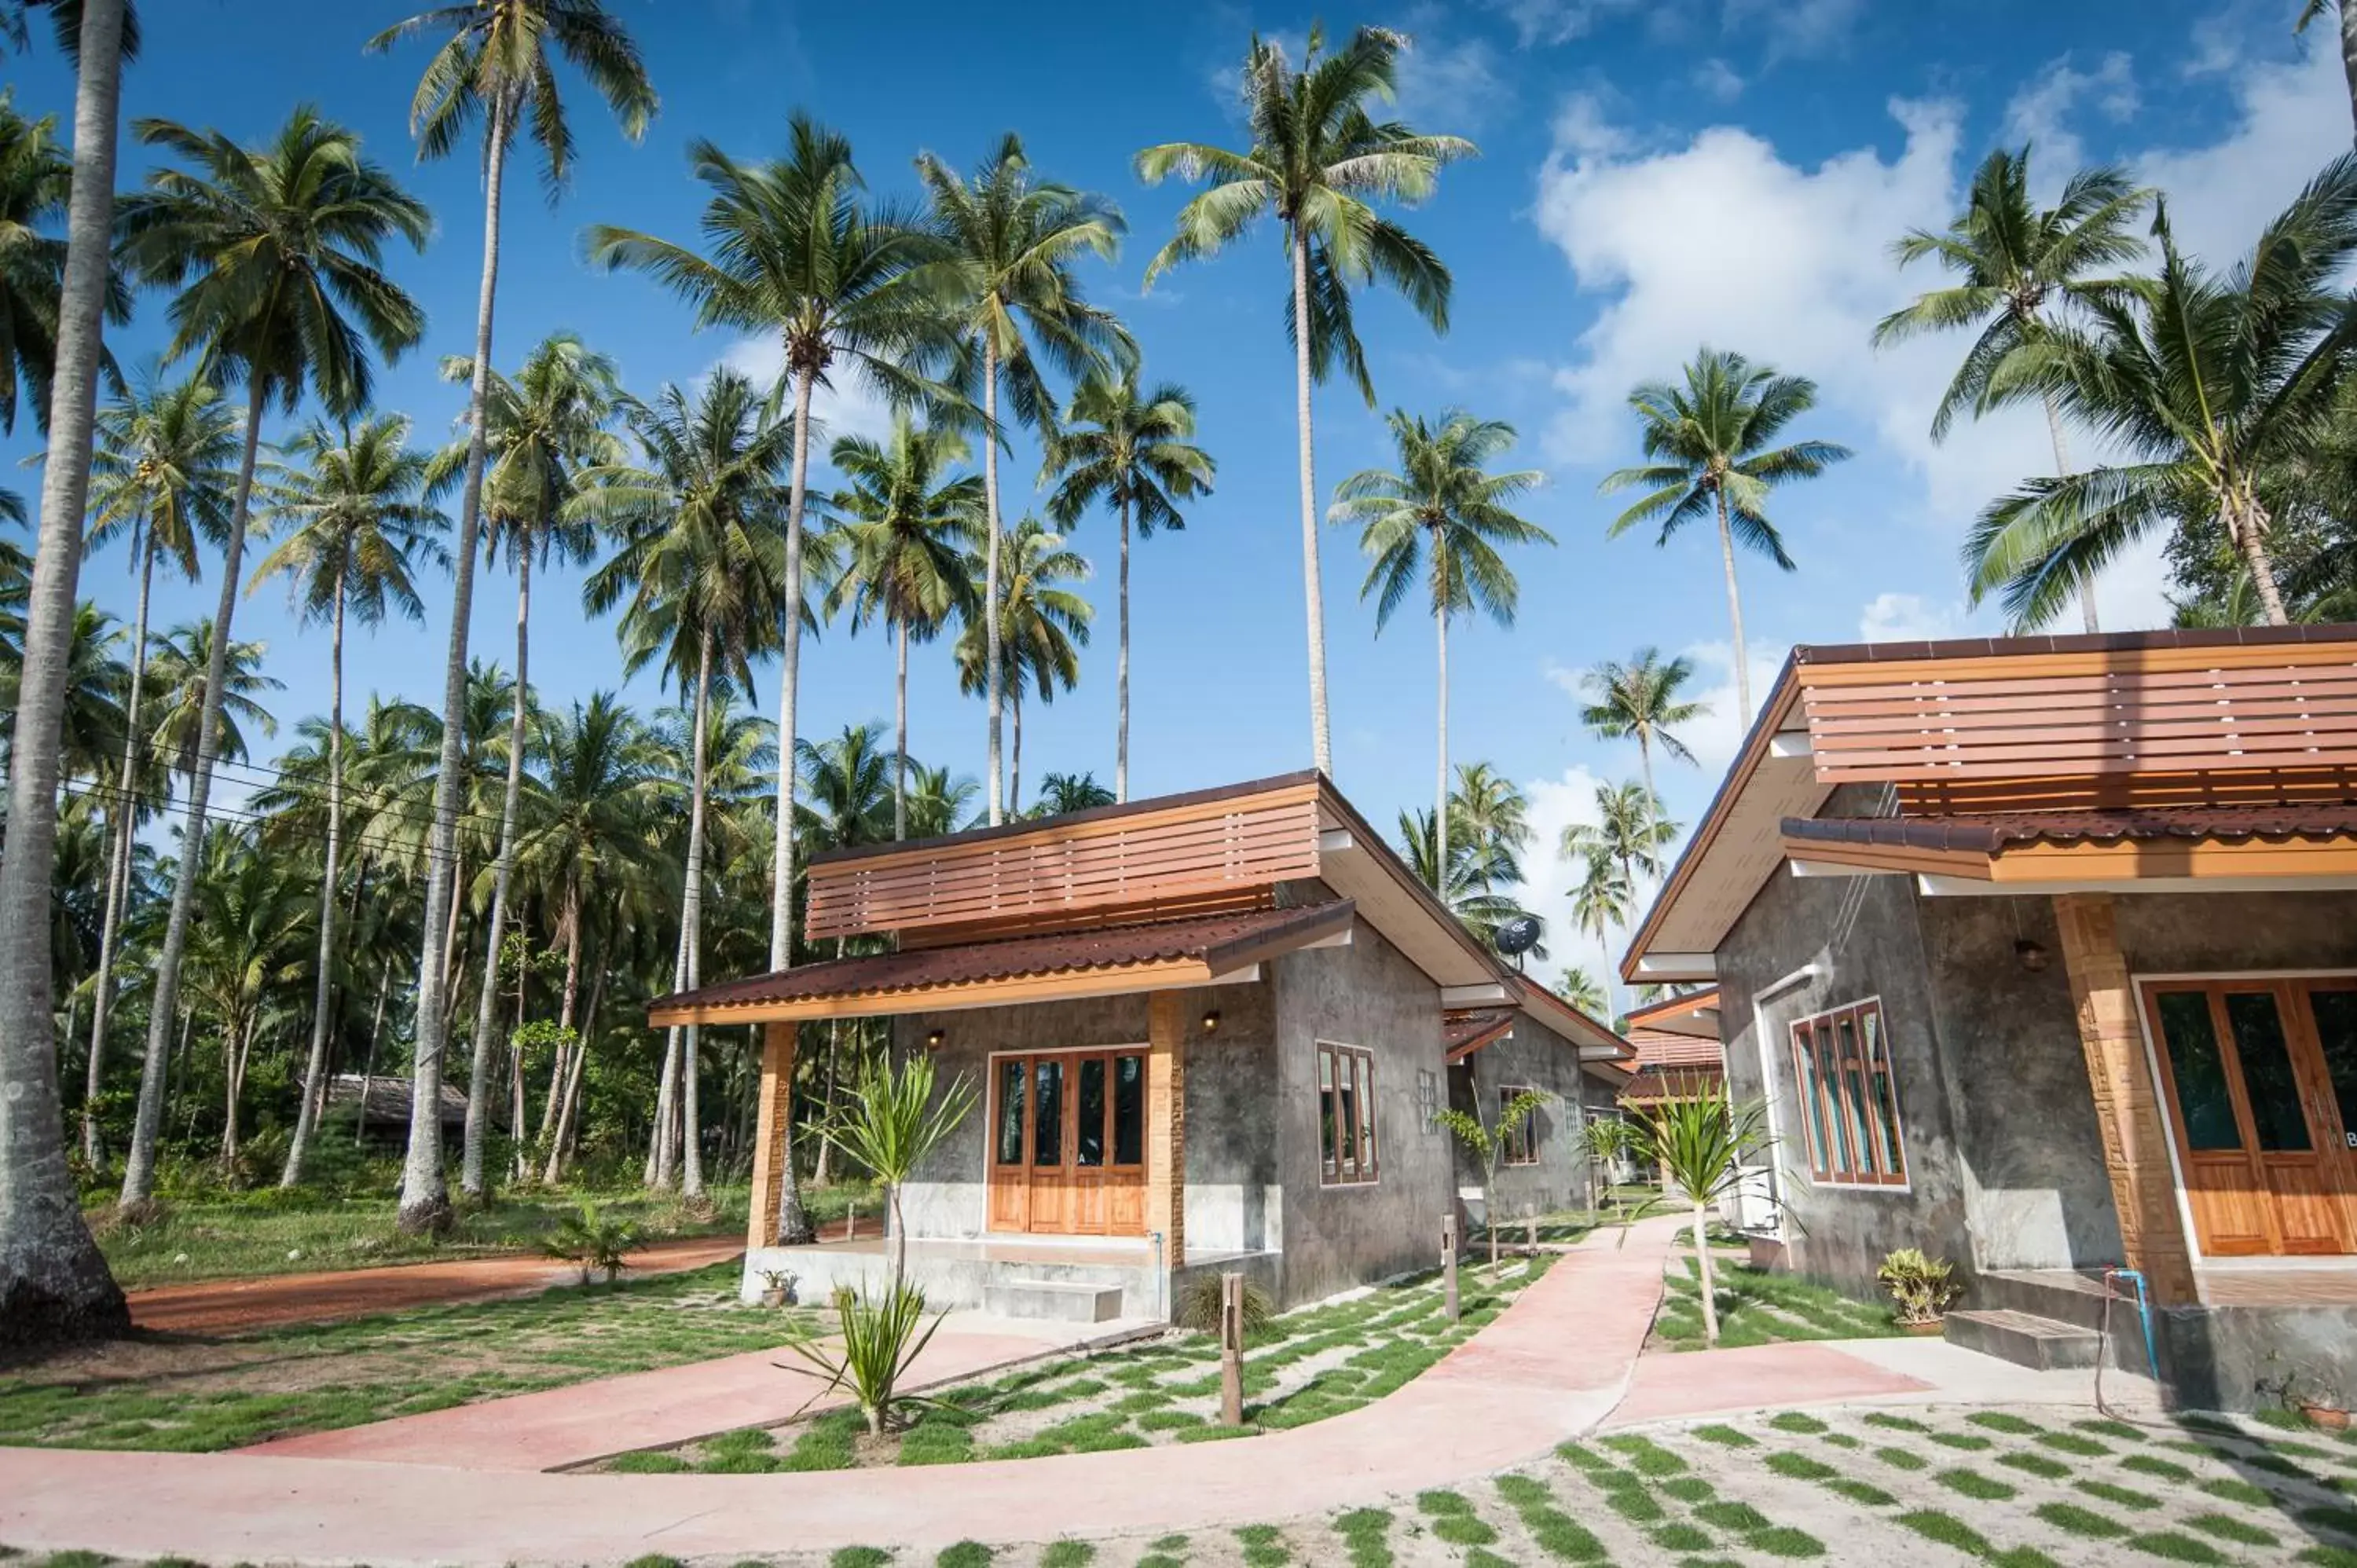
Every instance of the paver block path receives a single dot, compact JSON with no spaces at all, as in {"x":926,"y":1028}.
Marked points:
{"x":273,"y":1301}
{"x":1551,"y":1366}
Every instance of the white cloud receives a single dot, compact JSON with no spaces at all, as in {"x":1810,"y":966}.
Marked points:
{"x":2291,"y":117}
{"x":1718,"y":80}
{"x":1458,"y":82}
{"x":1549,"y":876}
{"x":1798,"y":27}
{"x":1907,"y":617}
{"x":1717,"y":734}
{"x":850,"y":405}
{"x":1559,"y":21}
{"x":2042,"y":110}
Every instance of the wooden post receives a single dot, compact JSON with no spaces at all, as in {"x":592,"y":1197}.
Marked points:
{"x":1165,"y":1124}
{"x":1448,"y":1266}
{"x":2128,"y":1103}
{"x":770,"y":1123}
{"x":1531,"y":1225}
{"x":1232,"y":1349}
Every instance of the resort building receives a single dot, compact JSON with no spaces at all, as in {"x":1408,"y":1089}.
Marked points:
{"x":2043,"y":954}
{"x":1678,"y":1053}
{"x":1206,"y":1031}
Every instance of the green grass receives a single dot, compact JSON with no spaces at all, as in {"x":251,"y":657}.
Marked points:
{"x":1759,"y":1307}
{"x":2072,"y":1519}
{"x":2234,"y":1491}
{"x":1863,"y":1492}
{"x":2034,"y":1464}
{"x":2152,"y":1464}
{"x":964,"y":1554}
{"x":1948,"y":1530}
{"x":1068,"y":1555}
{"x":1680,"y":1537}
{"x":1801,"y":1467}
{"x":1727,"y":1436}
{"x":2174,"y":1546}
{"x":2229,"y":1529}
{"x":1975,"y":1485}
{"x":2005,"y":1421}
{"x":2122,"y":1497}
{"x":1901,"y":1458}
{"x":876,"y":1557}
{"x":1365,"y":1536}
{"x":1793,"y":1421}
{"x":1645,"y":1456}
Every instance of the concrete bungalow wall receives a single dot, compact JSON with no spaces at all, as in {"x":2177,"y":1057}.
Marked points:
{"x":1531,"y":1057}
{"x":1364,"y":994}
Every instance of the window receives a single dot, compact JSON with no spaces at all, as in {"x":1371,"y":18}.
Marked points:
{"x":1849,"y":1106}
{"x":1346,"y":1113}
{"x":1521,"y":1137}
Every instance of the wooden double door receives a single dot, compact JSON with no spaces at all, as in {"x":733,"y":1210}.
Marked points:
{"x":2262,"y":1081}
{"x":1068,"y":1143}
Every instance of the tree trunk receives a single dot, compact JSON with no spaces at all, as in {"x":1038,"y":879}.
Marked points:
{"x":2087,"y":619}
{"x":54,"y":1285}
{"x":662,"y":1147}
{"x":1701,"y":1262}
{"x":1735,"y":614}
{"x":424,"y":1192}
{"x":1321,"y":743}
{"x":1440,"y":795}
{"x":994,"y":674}
{"x":900,"y":735}
{"x":376,"y":1035}
{"x":470,"y":1162}
{"x":237,"y":1044}
{"x":1646,"y":766}
{"x":690,"y":1181}
{"x":1120,"y":671}
{"x":139,"y":1169}
{"x":2246,"y":525}
{"x":789,"y":669}
{"x":557,"y":1068}
{"x":2348,"y":52}
{"x":318,"y":1063}
{"x":554,"y":1169}
{"x":1014,"y":765}
{"x":118,"y":870}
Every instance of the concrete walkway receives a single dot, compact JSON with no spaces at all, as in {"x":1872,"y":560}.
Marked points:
{"x":1552,"y":1366}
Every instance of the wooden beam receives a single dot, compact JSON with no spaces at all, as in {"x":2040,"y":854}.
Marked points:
{"x":1165,"y":1126}
{"x":772,"y":1147}
{"x":2128,"y":1103}
{"x":2136,"y":860}
{"x":2091,"y":661}
{"x":1159,"y":975}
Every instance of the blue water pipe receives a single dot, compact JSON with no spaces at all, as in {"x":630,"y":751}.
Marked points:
{"x":2144,"y":1312}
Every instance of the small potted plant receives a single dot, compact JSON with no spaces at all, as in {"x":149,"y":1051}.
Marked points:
{"x":1920,"y":1288}
{"x":777,"y":1288}
{"x":2319,"y":1404}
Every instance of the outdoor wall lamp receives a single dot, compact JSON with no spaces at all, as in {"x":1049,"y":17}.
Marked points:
{"x":2031,"y":954}
{"x":933,"y":1039}
{"x":1211,"y":1022}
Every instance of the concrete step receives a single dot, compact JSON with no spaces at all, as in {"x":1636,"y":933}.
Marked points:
{"x":2024,"y":1338}
{"x":1061,"y":1301}
{"x":2067,"y":1296}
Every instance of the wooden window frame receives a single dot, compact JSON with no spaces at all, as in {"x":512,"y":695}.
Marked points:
{"x":1354,"y":1158}
{"x":1522,"y":1150}
{"x":1852,"y":1125}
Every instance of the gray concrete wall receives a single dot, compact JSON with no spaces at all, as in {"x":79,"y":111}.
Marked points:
{"x":1364,"y":994}
{"x":1531,"y":1057}
{"x":2177,"y":933}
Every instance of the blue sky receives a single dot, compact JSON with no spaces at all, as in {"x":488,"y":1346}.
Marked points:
{"x":1654,"y":174}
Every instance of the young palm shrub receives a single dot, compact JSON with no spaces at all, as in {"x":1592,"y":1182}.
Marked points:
{"x":592,"y":1242}
{"x":891,"y":1123}
{"x":1611,"y":1140}
{"x":1198,"y":1307}
{"x":1487,"y":1146}
{"x":881,"y":1340}
{"x":1701,"y":1145}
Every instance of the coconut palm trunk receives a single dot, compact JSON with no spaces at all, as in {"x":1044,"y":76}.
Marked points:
{"x":118,"y":870}
{"x":139,"y":1169}
{"x":1322,"y":744}
{"x":424,"y":1193}
{"x":323,"y":986}
{"x":1440,"y":793}
{"x":1120,"y":671}
{"x":2245,"y":520}
{"x":1734,"y":610}
{"x":994,"y":674}
{"x":900,"y":733}
{"x":2348,"y":52}
{"x":470,"y":1162}
{"x":2087,"y":616}
{"x":794,"y":1227}
{"x":1702,"y":1267}
{"x":54,"y":1285}
{"x":690,"y":1181}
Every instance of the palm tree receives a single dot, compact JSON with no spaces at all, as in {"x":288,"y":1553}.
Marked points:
{"x":1134,"y":453}
{"x":180,"y":667}
{"x":2204,"y":382}
{"x":697,"y":575}
{"x":95,"y":684}
{"x":2016,"y":261}
{"x":1604,"y":899}
{"x":1579,"y":988}
{"x":54,"y":1283}
{"x":1630,"y":831}
{"x":1468,"y":888}
{"x":497,"y":63}
{"x":1061,"y":794}
{"x":795,"y":251}
{"x":1041,"y":628}
{"x":1008,"y":241}
{"x":358,"y":525}
{"x":243,"y":946}
{"x":34,"y":181}
{"x":545,"y":428}
{"x":1317,"y":161}
{"x":939,"y":804}
{"x":1639,"y":701}
{"x":846,"y":782}
{"x":905,"y":530}
{"x":1490,"y":817}
{"x":162,"y":468}
{"x":2347,"y":16}
{"x":278,"y":248}
{"x":1442,"y":516}
{"x":1708,"y":446}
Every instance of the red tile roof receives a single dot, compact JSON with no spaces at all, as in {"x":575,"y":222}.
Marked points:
{"x":1992,"y":833}
{"x":1464,"y":1032}
{"x":1658,"y":1049}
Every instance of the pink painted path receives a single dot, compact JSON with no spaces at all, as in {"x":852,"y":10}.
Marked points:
{"x":572,"y":1425}
{"x":1552,"y":1366}
{"x":1669,"y":1387}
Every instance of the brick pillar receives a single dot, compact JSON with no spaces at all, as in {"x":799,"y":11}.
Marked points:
{"x":2127,"y":1106}
{"x":770,"y":1132}
{"x":1166,"y":1123}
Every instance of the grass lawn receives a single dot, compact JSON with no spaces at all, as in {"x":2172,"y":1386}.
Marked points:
{"x":262,"y":1234}
{"x":190,"y":1394}
{"x":1307,"y":1365}
{"x":1757,"y":1307}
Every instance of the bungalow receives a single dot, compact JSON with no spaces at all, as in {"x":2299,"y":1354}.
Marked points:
{"x":1206,"y":1032}
{"x":1678,"y":1053}
{"x":2041,"y":953}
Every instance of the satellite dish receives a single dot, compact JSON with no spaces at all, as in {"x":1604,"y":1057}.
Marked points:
{"x":1519,"y":935}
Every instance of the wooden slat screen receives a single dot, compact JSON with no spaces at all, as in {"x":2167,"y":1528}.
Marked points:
{"x":2186,"y":725}
{"x":1195,"y":859}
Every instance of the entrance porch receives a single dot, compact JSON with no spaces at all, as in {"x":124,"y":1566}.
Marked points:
{"x":1113,"y":1283}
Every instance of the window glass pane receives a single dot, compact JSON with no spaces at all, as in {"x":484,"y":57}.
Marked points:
{"x":1886,"y":1096}
{"x":1854,"y":1097}
{"x":1048,"y":1114}
{"x":1837,"y":1106}
{"x":2336,"y":1029}
{"x":1366,"y":1118}
{"x":1346,"y":1116}
{"x":1088,"y":1131}
{"x":2277,"y":1114}
{"x":1129,"y":1110}
{"x":2202,"y":1103}
{"x":1326,"y":1109}
{"x":1813,"y":1105}
{"x":1010,"y":1112}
